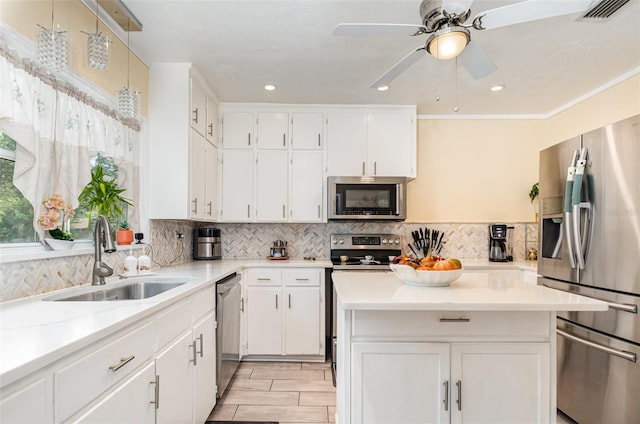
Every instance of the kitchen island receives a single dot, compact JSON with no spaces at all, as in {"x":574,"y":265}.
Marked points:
{"x":481,"y":350}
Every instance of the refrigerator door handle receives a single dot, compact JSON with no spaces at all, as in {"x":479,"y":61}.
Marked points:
{"x":629,"y":356}
{"x":568,"y":193}
{"x":582,"y":236}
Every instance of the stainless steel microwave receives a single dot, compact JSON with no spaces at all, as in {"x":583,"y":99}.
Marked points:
{"x":369,"y":198}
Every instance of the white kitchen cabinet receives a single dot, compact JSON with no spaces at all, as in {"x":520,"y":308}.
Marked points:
{"x":307,"y":129}
{"x":204,"y":376}
{"x":371,"y":143}
{"x":422,"y":395}
{"x":30,"y":402}
{"x":119,"y":406}
{"x":237,"y":186}
{"x":211,"y":182}
{"x":174,"y":369}
{"x":285,"y":312}
{"x":273,"y":130}
{"x":178,"y":158}
{"x":307,"y":186}
{"x":238,"y":130}
{"x":272,"y":169}
{"x":211,"y":132}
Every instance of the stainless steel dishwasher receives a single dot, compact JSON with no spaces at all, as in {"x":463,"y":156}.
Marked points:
{"x":228,"y":331}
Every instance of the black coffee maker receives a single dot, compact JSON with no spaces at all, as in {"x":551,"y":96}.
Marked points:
{"x":498,"y":243}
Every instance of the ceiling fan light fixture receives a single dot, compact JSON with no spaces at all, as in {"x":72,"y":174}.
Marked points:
{"x":448,"y":42}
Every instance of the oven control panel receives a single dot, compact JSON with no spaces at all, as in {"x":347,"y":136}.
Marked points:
{"x":366,"y":241}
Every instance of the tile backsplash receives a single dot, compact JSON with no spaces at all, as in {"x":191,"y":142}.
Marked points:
{"x":32,"y":277}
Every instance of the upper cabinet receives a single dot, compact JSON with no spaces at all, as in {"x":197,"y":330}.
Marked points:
{"x":273,"y":130}
{"x":372,"y":143}
{"x":237,"y":130}
{"x":183,"y":158}
{"x":307,"y":129}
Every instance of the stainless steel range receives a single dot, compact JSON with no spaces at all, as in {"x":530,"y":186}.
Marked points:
{"x":359,"y":253}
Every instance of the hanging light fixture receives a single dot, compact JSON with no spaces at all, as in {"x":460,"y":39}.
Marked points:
{"x":97,"y":47}
{"x":448,"y":42}
{"x":128,"y":99}
{"x":52,"y":52}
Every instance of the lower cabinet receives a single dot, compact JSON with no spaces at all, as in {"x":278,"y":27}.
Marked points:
{"x":450,"y":382}
{"x":204,"y":373}
{"x":29,"y":402}
{"x":174,"y":369}
{"x":284,"y":311}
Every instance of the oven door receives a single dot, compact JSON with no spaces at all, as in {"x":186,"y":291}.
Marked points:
{"x":598,"y":376}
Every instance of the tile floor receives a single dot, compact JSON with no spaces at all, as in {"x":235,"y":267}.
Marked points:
{"x":286,"y":392}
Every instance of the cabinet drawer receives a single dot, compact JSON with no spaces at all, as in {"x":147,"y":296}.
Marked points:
{"x":301,"y":277}
{"x":203,"y":302}
{"x":264,"y":277}
{"x":452,"y":325}
{"x":95,"y":371}
{"x":174,"y":322}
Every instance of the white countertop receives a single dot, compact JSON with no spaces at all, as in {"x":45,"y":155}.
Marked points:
{"x":34,"y":332}
{"x":471,"y":292}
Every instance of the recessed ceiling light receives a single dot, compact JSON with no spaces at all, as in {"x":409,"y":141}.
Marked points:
{"x":269,"y":87}
{"x":498,"y":87}
{"x":383,"y":88}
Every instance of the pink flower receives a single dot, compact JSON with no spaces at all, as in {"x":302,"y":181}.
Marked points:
{"x":49,"y":220}
{"x":54,"y":202}
{"x":57,"y":210}
{"x":69,"y":212}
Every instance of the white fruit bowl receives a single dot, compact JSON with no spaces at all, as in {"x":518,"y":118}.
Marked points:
{"x":414,"y":277}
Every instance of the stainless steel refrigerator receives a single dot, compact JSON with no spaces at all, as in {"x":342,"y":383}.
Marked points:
{"x":590,"y":245}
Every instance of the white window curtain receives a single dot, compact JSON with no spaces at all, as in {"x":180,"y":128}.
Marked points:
{"x":57,"y":131}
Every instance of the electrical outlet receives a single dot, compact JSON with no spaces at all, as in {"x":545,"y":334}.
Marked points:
{"x":180,"y":235}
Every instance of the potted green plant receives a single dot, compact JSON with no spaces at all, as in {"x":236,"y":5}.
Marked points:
{"x":103,"y":196}
{"x":124,"y":234}
{"x":533,"y":195}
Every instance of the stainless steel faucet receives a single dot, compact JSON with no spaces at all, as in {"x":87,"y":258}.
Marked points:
{"x":100,"y":269}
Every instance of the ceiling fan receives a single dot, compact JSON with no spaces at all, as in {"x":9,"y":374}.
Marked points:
{"x":449,"y":35}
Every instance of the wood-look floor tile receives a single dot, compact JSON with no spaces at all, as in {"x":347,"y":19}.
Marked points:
{"x":328,"y":374}
{"x":315,"y":365}
{"x":245,"y":397}
{"x":243,"y":373}
{"x":317,"y":398}
{"x":283,"y":414}
{"x":223,"y":412}
{"x":332,"y":414}
{"x":285,"y":374}
{"x":302,"y":386}
{"x":270,"y":365}
{"x":250,"y":384}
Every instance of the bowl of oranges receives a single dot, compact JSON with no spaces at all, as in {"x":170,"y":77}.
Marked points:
{"x":430,"y":271}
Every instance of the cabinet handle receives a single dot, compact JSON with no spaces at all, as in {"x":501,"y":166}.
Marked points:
{"x":363,"y":168}
{"x":201,"y":345}
{"x":276,"y":301}
{"x":195,"y":115}
{"x":318,"y":211}
{"x":209,"y":205}
{"x":289,"y":300}
{"x":249,"y":139}
{"x":211,"y":129}
{"x":248,"y":211}
{"x":195,"y":205}
{"x":122,"y":363}
{"x":446,"y":395}
{"x":375,"y":167}
{"x":263,"y":279}
{"x":156,"y":392}
{"x":283,"y":212}
{"x":455,"y":320}
{"x":319,"y":140}
{"x":242,"y":304}
{"x":195,"y":358}
{"x":284,"y":139}
{"x":459,"y":400}
{"x":302,"y":279}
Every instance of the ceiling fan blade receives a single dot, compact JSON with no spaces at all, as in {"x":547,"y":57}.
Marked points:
{"x":354,"y":30}
{"x":400,"y":67}
{"x":526,"y":11}
{"x":476,"y":61}
{"x":456,"y":7}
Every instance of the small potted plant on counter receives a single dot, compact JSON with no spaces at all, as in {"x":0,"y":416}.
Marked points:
{"x":124,"y":234}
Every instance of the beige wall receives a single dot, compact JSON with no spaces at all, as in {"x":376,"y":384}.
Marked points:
{"x":72,"y":16}
{"x":482,"y":170}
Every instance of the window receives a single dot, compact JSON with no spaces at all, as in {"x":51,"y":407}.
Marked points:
{"x":16,"y":213}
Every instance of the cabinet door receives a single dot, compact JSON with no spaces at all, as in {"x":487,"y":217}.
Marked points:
{"x":198,"y":106}
{"x":211,"y":183}
{"x":271,"y":185}
{"x":307,"y":186}
{"x":389,"y":149}
{"x":29,"y":404}
{"x":204,"y":373}
{"x":264,"y":320}
{"x":272,"y":130}
{"x":197,"y":175}
{"x":237,"y":185}
{"x":302,"y":321}
{"x":346,"y":144}
{"x":211,"y":133}
{"x":132,"y":402}
{"x":500,"y":383}
{"x":174,"y":368}
{"x":400,"y":383}
{"x":237,"y":130}
{"x":306,"y":130}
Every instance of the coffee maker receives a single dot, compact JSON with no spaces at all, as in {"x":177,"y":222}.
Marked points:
{"x":498,"y":243}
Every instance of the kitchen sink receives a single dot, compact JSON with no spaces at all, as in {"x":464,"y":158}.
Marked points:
{"x":132,"y":291}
